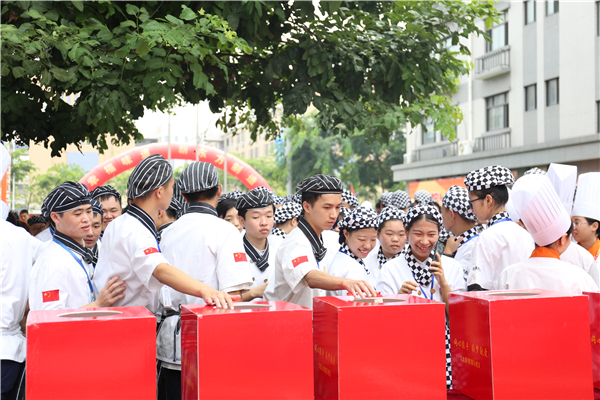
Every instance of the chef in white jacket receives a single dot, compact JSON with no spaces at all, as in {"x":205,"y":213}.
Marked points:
{"x":391,"y":239}
{"x":357,"y":238}
{"x":549,"y":223}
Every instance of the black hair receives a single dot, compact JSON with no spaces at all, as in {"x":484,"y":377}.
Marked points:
{"x":568,"y":233}
{"x":590,"y":221}
{"x":426,"y":217}
{"x":23,"y":211}
{"x":107,"y":196}
{"x":342,"y":238}
{"x":242,"y":213}
{"x":498,"y":193}
{"x":436,"y":205}
{"x":204,"y":195}
{"x":171,"y":213}
{"x":225,"y":206}
{"x":380,"y":227}
{"x":310,"y":197}
{"x":378,"y":204}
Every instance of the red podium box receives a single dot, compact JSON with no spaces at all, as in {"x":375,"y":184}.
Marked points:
{"x":391,"y":350}
{"x":96,"y":353}
{"x":594,"y":306}
{"x":259,"y":350}
{"x":526,"y":344}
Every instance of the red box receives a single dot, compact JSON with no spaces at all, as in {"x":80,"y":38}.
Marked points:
{"x":376,"y":351}
{"x":594,"y":305}
{"x":92,"y":357}
{"x":246,"y":353}
{"x":527,"y":344}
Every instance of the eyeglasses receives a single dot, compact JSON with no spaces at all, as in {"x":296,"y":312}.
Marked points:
{"x":473,"y":201}
{"x":579,"y":223}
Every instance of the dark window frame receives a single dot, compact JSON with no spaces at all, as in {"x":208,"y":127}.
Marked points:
{"x":526,"y":14}
{"x":554,"y":6}
{"x":488,"y":108}
{"x":501,"y":25}
{"x":534,"y":86}
{"x":427,"y":121}
{"x":548,"y":82}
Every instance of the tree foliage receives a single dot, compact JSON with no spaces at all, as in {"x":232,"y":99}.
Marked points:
{"x":40,"y":185}
{"x":366,"y":66}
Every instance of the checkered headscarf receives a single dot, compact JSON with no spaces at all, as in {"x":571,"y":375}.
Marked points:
{"x":485,"y":178}
{"x":423,"y":197}
{"x":386,"y":199}
{"x":400,"y":199}
{"x":359,"y":218}
{"x":320,"y":183}
{"x":150,"y":174}
{"x":287,"y":211}
{"x":534,"y":171}
{"x":390,"y":213}
{"x":256,"y":198}
{"x":350,"y":198}
{"x":279,"y":199}
{"x":66,"y":196}
{"x":418,"y":210}
{"x":457,"y":200}
{"x":198,"y":177}
{"x":296,"y":198}
{"x":236,"y":194}
{"x":104,"y":190}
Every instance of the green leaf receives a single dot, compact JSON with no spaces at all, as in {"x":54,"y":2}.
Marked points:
{"x":155,"y":63}
{"x":187,"y":13}
{"x":128,"y":23}
{"x":174,"y":20}
{"x":131,"y":9}
{"x":60,"y":74}
{"x":143,"y":48}
{"x":18,"y":72}
{"x":78,"y":5}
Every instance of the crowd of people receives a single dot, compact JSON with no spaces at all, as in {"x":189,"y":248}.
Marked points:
{"x":186,"y":242}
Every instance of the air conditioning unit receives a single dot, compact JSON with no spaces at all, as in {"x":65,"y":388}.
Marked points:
{"x":465,"y":147}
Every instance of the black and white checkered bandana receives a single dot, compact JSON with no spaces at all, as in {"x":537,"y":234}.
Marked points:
{"x":38,"y":219}
{"x":97,"y":207}
{"x":66,"y":196}
{"x":346,"y":250}
{"x":286,"y":212}
{"x":359,"y":218}
{"x":444,"y":235}
{"x":485,"y":178}
{"x":390,"y":213}
{"x":316,"y":242}
{"x":105,"y":190}
{"x":534,"y":171}
{"x":497,"y":217}
{"x":150,"y":174}
{"x":279,"y":199}
{"x":382,"y":259}
{"x":470,"y":233}
{"x":297,"y":198}
{"x":236,"y":194}
{"x":422,"y":274}
{"x":386,"y":199}
{"x":178,"y":203}
{"x":423,"y":197}
{"x":278,"y":232}
{"x":256,"y":198}
{"x":418,"y":210}
{"x":320,"y":183}
{"x":400,"y":199}
{"x":261,"y":262}
{"x":350,"y":198}
{"x":457,"y":200}
{"x":198,"y":177}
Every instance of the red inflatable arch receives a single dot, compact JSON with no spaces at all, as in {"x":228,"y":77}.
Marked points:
{"x":129,"y":159}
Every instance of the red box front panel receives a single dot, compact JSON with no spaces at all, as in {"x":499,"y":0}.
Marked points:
{"x":533,"y":346}
{"x":247,"y":354}
{"x":379,"y":351}
{"x":594,"y":306}
{"x":109,"y":357}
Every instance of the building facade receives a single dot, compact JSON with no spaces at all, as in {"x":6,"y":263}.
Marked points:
{"x":533,"y":97}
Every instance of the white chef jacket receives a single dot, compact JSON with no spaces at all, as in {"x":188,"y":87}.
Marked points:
{"x":546,"y":273}
{"x":204,"y":247}
{"x":131,"y":252}
{"x":274,"y":241}
{"x":396,"y":271}
{"x":18,"y":252}
{"x":331,"y":241}
{"x":500,"y":245}
{"x":56,"y":269}
{"x":45,"y":235}
{"x":464,"y":254}
{"x":259,"y":277}
{"x":294,"y":259}
{"x":580,"y":257}
{"x":372,"y":262}
{"x":344,"y":266}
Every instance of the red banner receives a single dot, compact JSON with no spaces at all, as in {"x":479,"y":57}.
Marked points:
{"x":437,"y":188}
{"x":129,"y":159}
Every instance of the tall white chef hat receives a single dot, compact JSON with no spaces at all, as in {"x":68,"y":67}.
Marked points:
{"x":540,"y":209}
{"x":587,"y":200}
{"x":563,"y":178}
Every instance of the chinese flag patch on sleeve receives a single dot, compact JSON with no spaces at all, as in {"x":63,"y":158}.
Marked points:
{"x":151,"y":250}
{"x":299,"y":260}
{"x":50,"y":295}
{"x":239,"y":257}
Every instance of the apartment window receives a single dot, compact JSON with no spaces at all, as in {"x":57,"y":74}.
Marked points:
{"x":552,"y":92}
{"x":428,"y":131}
{"x":530,"y":98}
{"x":529,"y":12}
{"x":498,"y":34}
{"x":497,"y":112}
{"x":551,"y":7}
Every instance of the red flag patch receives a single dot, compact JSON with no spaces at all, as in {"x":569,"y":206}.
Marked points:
{"x":299,"y":260}
{"x":151,"y":250}
{"x":50,"y":295}
{"x":239,"y":257}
